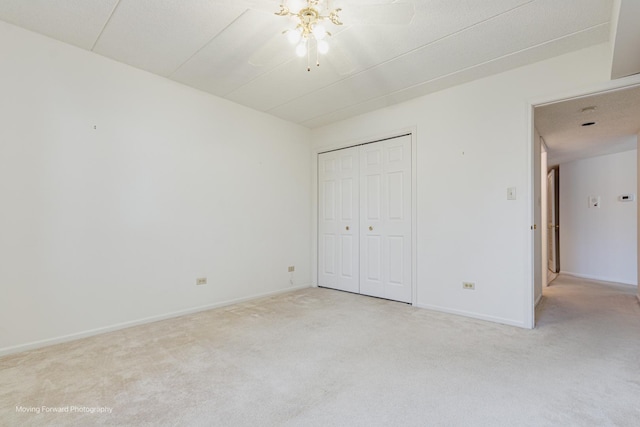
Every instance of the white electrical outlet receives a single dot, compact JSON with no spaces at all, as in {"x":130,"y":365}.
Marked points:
{"x":201,"y":281}
{"x":468,"y":285}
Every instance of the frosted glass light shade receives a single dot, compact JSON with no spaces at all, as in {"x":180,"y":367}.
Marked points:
{"x":323,"y":46}
{"x":319,"y":32}
{"x":301,"y":49}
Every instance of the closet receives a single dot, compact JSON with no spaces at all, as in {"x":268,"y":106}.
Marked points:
{"x":364,"y":219}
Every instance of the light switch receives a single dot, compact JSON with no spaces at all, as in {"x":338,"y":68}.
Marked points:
{"x":511,"y":193}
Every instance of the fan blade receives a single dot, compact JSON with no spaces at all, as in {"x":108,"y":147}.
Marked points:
{"x":268,"y":6}
{"x":338,"y":59}
{"x":378,"y":14}
{"x":273,"y":52}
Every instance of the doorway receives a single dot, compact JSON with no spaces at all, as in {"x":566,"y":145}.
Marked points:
{"x":613,"y":124}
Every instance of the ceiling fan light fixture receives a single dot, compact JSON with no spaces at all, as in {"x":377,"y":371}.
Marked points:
{"x":308,"y":25}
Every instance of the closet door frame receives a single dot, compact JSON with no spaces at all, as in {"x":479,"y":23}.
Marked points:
{"x":412,"y":131}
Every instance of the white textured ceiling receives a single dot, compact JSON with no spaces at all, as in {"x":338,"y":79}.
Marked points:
{"x":234,"y":49}
{"x":617,"y":123}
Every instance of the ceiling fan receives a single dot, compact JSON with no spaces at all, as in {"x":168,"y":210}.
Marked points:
{"x":312,"y":28}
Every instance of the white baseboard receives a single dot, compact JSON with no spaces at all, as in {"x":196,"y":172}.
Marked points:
{"x":473,"y":315}
{"x":84,"y":334}
{"x":598,"y":278}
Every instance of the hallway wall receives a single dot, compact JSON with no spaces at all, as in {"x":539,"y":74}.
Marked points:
{"x":599,"y":242}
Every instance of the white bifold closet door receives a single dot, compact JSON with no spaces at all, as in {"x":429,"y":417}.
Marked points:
{"x":365,"y":219}
{"x":338,"y":220}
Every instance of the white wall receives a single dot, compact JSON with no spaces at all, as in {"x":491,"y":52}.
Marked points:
{"x":599,"y":243}
{"x":103,"y":227}
{"x":473,"y":142}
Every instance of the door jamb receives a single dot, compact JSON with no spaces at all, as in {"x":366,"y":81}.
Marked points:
{"x":556,"y":219}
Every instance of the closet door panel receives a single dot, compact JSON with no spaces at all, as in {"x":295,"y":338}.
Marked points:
{"x":385,"y":224}
{"x":338,"y":216}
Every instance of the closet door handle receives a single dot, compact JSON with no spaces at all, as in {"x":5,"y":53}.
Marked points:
{"x":347,"y":228}
{"x":370,"y":228}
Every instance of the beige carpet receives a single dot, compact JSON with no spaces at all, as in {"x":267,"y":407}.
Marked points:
{"x":325,"y":358}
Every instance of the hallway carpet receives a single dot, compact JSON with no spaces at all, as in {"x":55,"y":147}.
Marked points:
{"x":318,"y":357}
